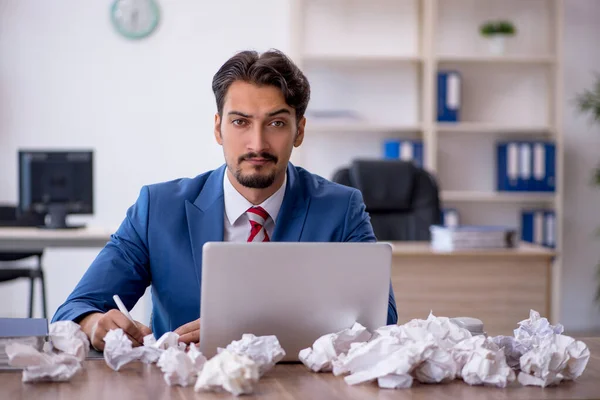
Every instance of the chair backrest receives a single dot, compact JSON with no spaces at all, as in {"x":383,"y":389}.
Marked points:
{"x":401,"y":198}
{"x":10,"y":217}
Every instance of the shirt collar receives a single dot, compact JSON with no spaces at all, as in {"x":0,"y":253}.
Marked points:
{"x":236,"y":205}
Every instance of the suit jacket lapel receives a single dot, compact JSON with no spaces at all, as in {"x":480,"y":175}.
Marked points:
{"x":205,"y":216}
{"x":290,"y":221}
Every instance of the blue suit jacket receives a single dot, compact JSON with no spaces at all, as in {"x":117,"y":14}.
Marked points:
{"x":160,"y":243}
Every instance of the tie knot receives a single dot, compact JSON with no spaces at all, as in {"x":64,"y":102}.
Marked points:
{"x":257,"y":214}
{"x":257,"y":217}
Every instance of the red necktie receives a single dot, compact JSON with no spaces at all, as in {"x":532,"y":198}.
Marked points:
{"x":257,"y":216}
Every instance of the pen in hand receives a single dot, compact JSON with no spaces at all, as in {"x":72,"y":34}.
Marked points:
{"x":123,"y":309}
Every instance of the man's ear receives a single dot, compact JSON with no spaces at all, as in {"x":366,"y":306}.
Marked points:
{"x":218,"y":135}
{"x":300,"y":132}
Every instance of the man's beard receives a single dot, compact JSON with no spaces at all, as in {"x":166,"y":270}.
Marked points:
{"x":255,"y":180}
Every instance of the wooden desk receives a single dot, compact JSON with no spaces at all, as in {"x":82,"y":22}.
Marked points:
{"x":497,"y":286}
{"x":28,"y":239}
{"x":139,"y":381}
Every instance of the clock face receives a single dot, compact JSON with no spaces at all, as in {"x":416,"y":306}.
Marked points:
{"x":134,"y":19}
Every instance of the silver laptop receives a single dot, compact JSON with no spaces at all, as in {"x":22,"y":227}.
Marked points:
{"x":295,"y":291}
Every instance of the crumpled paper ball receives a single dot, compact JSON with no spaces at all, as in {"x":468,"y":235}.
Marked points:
{"x":228,"y":371}
{"x":553,"y":360}
{"x":326,"y":349}
{"x":67,"y":337}
{"x":181,"y":368}
{"x":263,"y":350}
{"x":440,"y":329}
{"x":481,"y":362}
{"x":41,"y":367}
{"x":118,"y":350}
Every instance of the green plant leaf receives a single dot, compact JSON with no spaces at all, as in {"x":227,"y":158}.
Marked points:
{"x":596,"y":177}
{"x":488,"y":28}
{"x":588,"y":102}
{"x":506,"y":27}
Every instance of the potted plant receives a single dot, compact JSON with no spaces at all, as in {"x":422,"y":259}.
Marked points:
{"x":496,"y":32}
{"x":588,"y":102}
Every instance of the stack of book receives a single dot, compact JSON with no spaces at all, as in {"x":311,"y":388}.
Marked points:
{"x":31,"y":331}
{"x":445,"y":238}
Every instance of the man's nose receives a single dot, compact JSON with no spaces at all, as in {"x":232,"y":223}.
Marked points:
{"x":257,"y":140}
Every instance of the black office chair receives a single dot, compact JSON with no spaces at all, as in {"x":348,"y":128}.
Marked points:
{"x":9,"y":217}
{"x":401,"y":198}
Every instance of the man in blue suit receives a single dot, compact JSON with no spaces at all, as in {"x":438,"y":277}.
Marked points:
{"x":258,"y":195}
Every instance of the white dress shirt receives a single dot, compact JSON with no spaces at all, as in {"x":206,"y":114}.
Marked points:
{"x":236,"y":222}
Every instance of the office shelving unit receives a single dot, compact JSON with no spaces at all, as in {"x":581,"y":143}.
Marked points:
{"x":379,"y":60}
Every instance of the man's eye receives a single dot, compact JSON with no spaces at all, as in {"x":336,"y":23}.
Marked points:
{"x":278,"y":124}
{"x":238,"y":122}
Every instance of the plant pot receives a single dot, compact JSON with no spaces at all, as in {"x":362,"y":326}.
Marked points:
{"x":497,"y":45}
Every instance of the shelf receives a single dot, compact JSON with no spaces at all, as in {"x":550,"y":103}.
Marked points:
{"x":497,"y":197}
{"x":358,"y":60}
{"x":476,"y":127}
{"x":489,"y":59}
{"x":359,"y":127}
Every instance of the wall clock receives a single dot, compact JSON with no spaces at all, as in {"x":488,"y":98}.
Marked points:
{"x":134,"y":19}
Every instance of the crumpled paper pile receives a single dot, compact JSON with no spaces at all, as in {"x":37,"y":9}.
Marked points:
{"x":239,"y":366}
{"x":263,"y":350}
{"x":235,"y":369}
{"x":59,"y":361}
{"x":229,"y":371}
{"x":329,"y":347}
{"x":181,"y":368}
{"x":545,"y":356}
{"x":437,"y":350}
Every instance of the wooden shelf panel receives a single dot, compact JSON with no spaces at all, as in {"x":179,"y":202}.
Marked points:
{"x":352,"y":60}
{"x":361,"y":128}
{"x":503,"y":59}
{"x":497,"y":197}
{"x":476,"y":127}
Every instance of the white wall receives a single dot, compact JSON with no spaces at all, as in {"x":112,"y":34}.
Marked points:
{"x":146,"y":108}
{"x":67,"y":80}
{"x":582,"y":154}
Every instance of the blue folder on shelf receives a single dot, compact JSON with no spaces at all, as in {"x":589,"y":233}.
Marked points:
{"x":407,"y":150}
{"x":448,"y":96}
{"x":526,"y":166}
{"x":508,"y":167}
{"x":538,"y":226}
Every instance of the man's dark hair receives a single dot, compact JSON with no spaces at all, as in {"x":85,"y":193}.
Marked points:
{"x":272,"y":68}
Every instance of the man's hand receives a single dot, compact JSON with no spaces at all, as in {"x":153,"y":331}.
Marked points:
{"x":97,"y":325}
{"x":190,"y":332}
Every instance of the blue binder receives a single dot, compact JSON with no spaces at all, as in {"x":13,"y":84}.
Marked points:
{"x":550,"y":181}
{"x":538,"y":226}
{"x":408,"y":150}
{"x":448,"y":96}
{"x":507,"y":167}
{"x":525,"y":179}
{"x":527,"y":226}
{"x":526,"y":166}
{"x":550,"y":228}
{"x":544,"y":167}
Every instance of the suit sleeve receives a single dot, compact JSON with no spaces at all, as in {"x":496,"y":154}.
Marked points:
{"x":357,"y":228}
{"x":121,"y":267}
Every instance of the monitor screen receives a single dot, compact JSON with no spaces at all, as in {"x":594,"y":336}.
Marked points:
{"x":56,"y":179}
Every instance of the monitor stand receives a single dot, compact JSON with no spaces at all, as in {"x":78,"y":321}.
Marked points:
{"x":56,"y":218}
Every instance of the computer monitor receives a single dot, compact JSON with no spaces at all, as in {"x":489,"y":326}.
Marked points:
{"x":55,"y":184}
